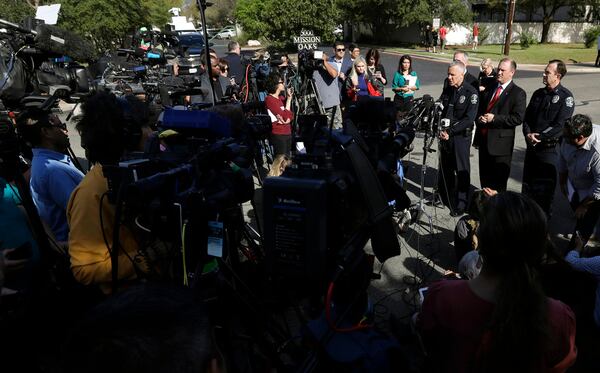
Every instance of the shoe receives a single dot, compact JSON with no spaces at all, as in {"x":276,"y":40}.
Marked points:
{"x":457,"y":212}
{"x":402,"y":219}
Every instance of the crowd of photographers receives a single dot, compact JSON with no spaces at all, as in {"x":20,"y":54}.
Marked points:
{"x":502,"y":319}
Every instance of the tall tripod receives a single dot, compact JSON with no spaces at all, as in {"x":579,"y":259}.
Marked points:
{"x":430,"y":114}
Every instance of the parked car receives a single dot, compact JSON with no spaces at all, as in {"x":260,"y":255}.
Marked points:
{"x":211,"y":31}
{"x":338,"y":32}
{"x":190,"y":44}
{"x":226,"y":32}
{"x":189,"y":48}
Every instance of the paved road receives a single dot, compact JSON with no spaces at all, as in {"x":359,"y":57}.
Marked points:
{"x":427,"y":253}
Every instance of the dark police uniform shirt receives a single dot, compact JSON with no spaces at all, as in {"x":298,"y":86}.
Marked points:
{"x":547,"y":112}
{"x":460,"y":106}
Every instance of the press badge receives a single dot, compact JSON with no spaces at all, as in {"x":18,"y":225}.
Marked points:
{"x":215,"y":238}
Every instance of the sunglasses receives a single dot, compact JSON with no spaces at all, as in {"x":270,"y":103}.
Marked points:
{"x":340,"y":49}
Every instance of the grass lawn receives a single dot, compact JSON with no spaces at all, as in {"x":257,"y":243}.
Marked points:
{"x":535,"y":54}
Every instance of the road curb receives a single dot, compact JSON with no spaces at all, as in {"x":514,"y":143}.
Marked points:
{"x":573,"y":67}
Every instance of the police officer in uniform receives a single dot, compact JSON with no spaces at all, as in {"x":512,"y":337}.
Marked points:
{"x":550,"y":107}
{"x":460,"y":100}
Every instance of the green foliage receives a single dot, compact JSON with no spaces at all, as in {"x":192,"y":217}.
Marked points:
{"x":156,"y":11}
{"x":579,"y":11}
{"x":15,"y":10}
{"x":484,"y":34}
{"x":279,"y":20}
{"x":384,"y":15}
{"x":526,"y":39}
{"x":453,"y":11}
{"x":220,"y":13}
{"x":106,"y":22}
{"x":590,"y":36}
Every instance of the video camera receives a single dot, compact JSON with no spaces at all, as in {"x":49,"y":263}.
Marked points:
{"x":322,"y":211}
{"x":200,"y":178}
{"x":309,"y":60}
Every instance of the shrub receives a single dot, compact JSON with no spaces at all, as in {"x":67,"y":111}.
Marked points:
{"x":527,"y":39}
{"x":484,"y":34}
{"x":590,"y":35}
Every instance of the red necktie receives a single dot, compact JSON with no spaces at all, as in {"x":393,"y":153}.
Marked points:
{"x":494,"y":99}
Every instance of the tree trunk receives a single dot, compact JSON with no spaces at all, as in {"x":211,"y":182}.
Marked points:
{"x":545,"y":29}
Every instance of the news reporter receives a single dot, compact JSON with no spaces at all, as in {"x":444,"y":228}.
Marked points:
{"x":358,"y":81}
{"x":500,"y":321}
{"x":404,"y":85}
{"x":281,"y":116}
{"x":376,"y":70}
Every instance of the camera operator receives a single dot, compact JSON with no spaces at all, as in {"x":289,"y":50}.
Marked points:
{"x":460,"y":102}
{"x":548,"y":110}
{"x":109,"y":128}
{"x":53,"y":173}
{"x":325,"y":78}
{"x":280,"y":113}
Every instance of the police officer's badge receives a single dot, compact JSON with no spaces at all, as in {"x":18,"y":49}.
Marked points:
{"x":569,"y":101}
{"x":474,"y":99}
{"x":555,"y":99}
{"x":461,"y":99}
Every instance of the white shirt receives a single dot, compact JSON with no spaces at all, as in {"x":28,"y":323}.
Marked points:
{"x":583,"y":165}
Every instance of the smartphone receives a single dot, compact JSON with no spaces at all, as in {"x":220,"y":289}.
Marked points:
{"x":21,"y":252}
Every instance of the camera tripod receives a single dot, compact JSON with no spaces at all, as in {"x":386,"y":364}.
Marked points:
{"x":307,"y":99}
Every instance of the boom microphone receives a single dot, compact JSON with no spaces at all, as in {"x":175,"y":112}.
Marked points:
{"x":55,"y":40}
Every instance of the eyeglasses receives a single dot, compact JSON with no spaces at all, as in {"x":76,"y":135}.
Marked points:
{"x":340,"y":49}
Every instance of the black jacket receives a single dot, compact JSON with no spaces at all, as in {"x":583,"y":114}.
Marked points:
{"x":509,"y":112}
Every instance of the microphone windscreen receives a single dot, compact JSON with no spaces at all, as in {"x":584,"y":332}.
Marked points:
{"x":55,"y":40}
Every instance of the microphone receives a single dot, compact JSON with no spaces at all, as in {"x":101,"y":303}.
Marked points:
{"x":55,"y":40}
{"x":428,"y":101}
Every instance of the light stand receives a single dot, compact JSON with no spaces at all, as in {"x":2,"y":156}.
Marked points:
{"x":202,"y":5}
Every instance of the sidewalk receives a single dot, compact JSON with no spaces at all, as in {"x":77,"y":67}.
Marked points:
{"x":583,"y":67}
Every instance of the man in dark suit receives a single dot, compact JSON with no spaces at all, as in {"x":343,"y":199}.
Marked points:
{"x":500,"y":111}
{"x":234,"y":59}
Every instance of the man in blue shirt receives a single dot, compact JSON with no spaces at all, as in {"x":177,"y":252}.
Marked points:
{"x":53,"y":174}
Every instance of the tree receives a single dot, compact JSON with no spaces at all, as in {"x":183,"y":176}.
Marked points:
{"x":221,"y":13}
{"x":107,"y":22}
{"x":156,"y":12}
{"x":383,"y":15}
{"x":547,"y":10}
{"x":15,"y":10}
{"x":279,"y":20}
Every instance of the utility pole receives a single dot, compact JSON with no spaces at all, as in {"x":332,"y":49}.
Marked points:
{"x":509,"y":22}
